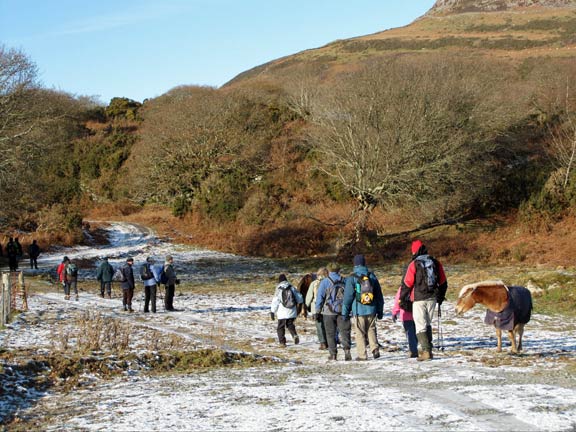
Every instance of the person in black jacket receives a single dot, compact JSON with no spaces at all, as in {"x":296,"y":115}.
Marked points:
{"x":128,"y":285}
{"x":104,"y":275}
{"x":33,"y":253}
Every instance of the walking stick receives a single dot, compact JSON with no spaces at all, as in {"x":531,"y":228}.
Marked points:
{"x":440,"y":336}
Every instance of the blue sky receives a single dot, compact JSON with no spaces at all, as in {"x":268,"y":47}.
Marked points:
{"x":142,"y":48}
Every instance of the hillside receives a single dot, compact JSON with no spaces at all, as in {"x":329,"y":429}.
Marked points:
{"x":469,"y":28}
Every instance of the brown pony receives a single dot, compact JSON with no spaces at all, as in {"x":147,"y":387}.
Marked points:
{"x":509,"y":308}
{"x":303,"y":286}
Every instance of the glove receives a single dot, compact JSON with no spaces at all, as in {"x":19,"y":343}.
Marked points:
{"x":440,"y":300}
{"x":379,"y":316}
{"x":394,"y":317}
{"x":272,"y":317}
{"x":177,"y":281}
{"x":318,"y":317}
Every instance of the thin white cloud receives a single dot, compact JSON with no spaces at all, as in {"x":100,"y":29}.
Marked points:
{"x":144,"y":12}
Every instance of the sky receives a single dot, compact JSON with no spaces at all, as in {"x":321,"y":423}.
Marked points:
{"x":143,"y":48}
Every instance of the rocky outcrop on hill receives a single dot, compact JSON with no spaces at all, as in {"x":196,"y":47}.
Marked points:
{"x":445,"y":7}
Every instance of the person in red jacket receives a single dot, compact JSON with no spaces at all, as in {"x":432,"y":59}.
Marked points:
{"x":60,"y":269}
{"x":423,"y":286}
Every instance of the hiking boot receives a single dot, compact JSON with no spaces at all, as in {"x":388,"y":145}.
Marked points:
{"x":332,"y":357}
{"x":102,"y":295}
{"x":347,"y":355}
{"x":77,"y":298}
{"x":296,"y":340}
{"x":412,"y":355}
{"x":130,"y":309}
{"x":125,"y":308}
{"x":66,"y":297}
{"x":109,"y":296}
{"x":323,"y":347}
{"x":376,"y":353}
{"x":425,"y":356}
{"x":282,"y":344}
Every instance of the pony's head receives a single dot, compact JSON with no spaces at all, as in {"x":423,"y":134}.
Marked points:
{"x":466,"y":299}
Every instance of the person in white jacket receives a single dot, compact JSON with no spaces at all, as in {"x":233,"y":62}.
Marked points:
{"x":283,"y":308}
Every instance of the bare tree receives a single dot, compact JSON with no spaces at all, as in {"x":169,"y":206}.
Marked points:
{"x":406,"y":133}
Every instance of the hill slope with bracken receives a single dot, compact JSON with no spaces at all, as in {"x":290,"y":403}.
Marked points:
{"x":512,"y":29}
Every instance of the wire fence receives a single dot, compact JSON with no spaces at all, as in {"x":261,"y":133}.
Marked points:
{"x":13,"y":296}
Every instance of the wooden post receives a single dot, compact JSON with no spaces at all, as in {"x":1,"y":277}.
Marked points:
{"x":5,"y":299}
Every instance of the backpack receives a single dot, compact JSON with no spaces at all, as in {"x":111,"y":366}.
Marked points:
{"x":119,"y":275}
{"x":72,"y":269}
{"x":335,"y":296}
{"x":163,"y":276}
{"x":364,"y":289}
{"x":427,"y":264}
{"x":145,"y":272}
{"x":287,"y":297}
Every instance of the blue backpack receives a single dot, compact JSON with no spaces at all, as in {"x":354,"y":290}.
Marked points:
{"x":335,"y":296}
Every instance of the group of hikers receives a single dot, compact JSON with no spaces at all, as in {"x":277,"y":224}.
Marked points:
{"x":338,"y":303}
{"x":14,"y":253}
{"x":153,"y":275}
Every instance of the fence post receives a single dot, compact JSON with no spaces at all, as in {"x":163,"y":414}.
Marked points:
{"x":5,"y":300}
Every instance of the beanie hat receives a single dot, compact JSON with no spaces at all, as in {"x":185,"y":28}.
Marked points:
{"x":416,"y":245}
{"x":150,"y":260}
{"x":359,"y":260}
{"x":282,"y":278}
{"x":130,"y":259}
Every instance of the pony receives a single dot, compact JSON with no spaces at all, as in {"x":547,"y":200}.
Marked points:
{"x":303,"y":286}
{"x":508,"y":308}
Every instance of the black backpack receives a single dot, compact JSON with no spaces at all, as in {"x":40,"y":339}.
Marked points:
{"x":364,"y":289}
{"x":145,"y":272}
{"x":427,"y":276}
{"x":287,"y":297}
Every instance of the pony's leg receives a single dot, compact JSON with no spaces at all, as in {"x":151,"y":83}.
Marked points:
{"x":512,"y":336}
{"x":520,"y":332}
{"x":499,"y":339}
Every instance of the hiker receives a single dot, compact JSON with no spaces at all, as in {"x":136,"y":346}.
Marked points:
{"x":423,"y":285}
{"x":170,"y":284}
{"x":363,"y":300}
{"x":19,"y":251}
{"x":105,"y":274}
{"x":284,"y":308}
{"x":311,"y":305}
{"x":12,"y":255}
{"x":408,"y":324}
{"x":150,"y":284}
{"x":60,"y":270}
{"x":127,"y":284}
{"x":33,"y":253}
{"x":70,"y":272}
{"x":329,"y":309}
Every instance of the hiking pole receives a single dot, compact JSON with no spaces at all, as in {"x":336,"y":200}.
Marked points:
{"x":440,"y":336}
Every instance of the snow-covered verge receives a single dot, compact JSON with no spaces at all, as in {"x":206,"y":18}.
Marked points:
{"x":468,"y":386}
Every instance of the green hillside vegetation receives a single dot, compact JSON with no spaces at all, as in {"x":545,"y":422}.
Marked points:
{"x":352,"y":146}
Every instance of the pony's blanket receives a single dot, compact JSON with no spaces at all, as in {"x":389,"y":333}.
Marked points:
{"x":517,"y":311}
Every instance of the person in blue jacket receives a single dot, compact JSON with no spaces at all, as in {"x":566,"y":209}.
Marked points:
{"x":363,"y":300}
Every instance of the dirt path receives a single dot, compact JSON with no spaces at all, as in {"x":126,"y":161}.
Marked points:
{"x":468,"y":386}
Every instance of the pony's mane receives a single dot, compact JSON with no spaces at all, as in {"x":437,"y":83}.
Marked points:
{"x":473,"y":286}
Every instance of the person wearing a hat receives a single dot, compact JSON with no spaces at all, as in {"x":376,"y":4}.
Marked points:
{"x":284,"y":308}
{"x":328,"y":300}
{"x":363,"y":300}
{"x":127,"y":284}
{"x":170,"y":284}
{"x":423,"y":286}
